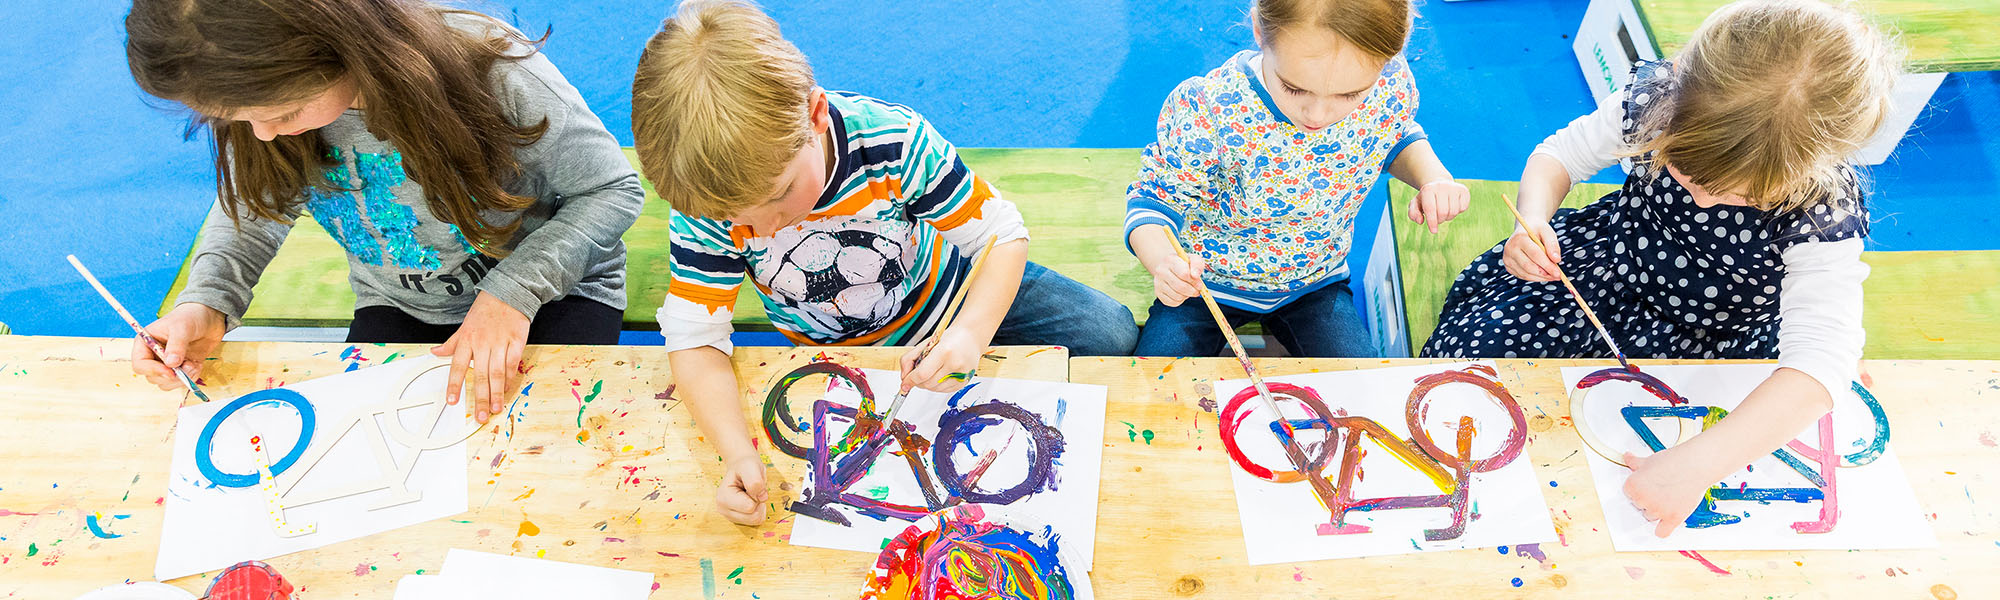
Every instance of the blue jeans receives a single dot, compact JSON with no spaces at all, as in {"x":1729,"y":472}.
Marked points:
{"x":1053,"y":310}
{"x":1322,"y":324}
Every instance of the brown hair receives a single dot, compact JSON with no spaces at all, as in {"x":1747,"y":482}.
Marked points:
{"x":425,"y":84}
{"x":720,"y":104}
{"x":1770,"y":99}
{"x":1378,"y":27}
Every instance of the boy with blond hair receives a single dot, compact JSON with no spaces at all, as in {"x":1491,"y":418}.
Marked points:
{"x":854,"y":218}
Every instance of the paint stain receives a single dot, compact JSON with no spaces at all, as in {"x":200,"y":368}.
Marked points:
{"x":1943,"y":592}
{"x":1516,"y":582}
{"x":528,"y":528}
{"x":1148,"y":434}
{"x":1986,"y":439}
{"x":708,"y":579}
{"x":363,"y":569}
{"x":1558,"y":581}
{"x":1207,"y":405}
{"x":1704,"y":562}
{"x":736,"y":576}
{"x":1635,"y":573}
{"x":1533,"y":551}
{"x":32,"y":549}
{"x":1131,"y":432}
{"x":95,"y":523}
{"x":879,"y":492}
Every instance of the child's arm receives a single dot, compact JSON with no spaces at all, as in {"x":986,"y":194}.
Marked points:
{"x":1667,"y":486}
{"x":960,"y":345}
{"x":1176,"y":170}
{"x":1820,"y":339}
{"x":969,"y":213}
{"x":705,"y":276}
{"x":707,"y":385}
{"x":232,"y":257}
{"x":1587,"y":145}
{"x":599,"y":197}
{"x":1439,"y":198}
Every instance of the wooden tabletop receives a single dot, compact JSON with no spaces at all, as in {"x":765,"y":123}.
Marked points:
{"x":1172,"y":502}
{"x":85,"y":437}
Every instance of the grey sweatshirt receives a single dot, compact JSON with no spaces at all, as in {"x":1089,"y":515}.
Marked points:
{"x":399,"y":255}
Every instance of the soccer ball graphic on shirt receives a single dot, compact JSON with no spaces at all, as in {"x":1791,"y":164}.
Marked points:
{"x":848,"y":274}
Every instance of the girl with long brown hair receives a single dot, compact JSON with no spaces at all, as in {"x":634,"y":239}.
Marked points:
{"x":480,"y":201}
{"x":1738,"y":234}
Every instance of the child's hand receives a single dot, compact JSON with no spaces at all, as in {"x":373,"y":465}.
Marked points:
{"x":1176,"y":279}
{"x":190,"y":332}
{"x":491,"y":340}
{"x":1665,"y":487}
{"x":741,"y":495}
{"x":1531,"y":262}
{"x":1439,"y":201}
{"x":951,"y":361}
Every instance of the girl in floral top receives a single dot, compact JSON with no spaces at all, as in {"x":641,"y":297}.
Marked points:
{"x":1260,"y":168}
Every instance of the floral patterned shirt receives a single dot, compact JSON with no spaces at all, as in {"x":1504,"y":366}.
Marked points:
{"x":1268,"y":204}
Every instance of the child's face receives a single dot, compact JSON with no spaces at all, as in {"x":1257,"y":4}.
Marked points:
{"x":799,"y":187}
{"x":269,"y":122}
{"x":1316,"y":77}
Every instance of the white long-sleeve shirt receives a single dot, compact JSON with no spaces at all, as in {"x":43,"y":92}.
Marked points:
{"x":1819,"y":302}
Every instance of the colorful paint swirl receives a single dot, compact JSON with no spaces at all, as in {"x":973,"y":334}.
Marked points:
{"x":959,"y":553}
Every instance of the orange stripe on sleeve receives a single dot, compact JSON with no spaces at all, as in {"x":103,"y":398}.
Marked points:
{"x":711,"y":298}
{"x":975,"y":204}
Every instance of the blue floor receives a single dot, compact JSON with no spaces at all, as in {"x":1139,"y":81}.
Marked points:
{"x":96,"y":170}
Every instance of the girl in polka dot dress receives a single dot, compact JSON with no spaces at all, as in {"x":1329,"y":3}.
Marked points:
{"x":1737,"y":236}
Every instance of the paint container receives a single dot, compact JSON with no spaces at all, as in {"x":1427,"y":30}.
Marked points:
{"x":250,"y":580}
{"x":138,"y":591}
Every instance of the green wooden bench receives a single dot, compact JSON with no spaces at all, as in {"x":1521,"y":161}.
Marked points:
{"x":1919,"y":305}
{"x":1073,"y":200}
{"x":1942,"y":35}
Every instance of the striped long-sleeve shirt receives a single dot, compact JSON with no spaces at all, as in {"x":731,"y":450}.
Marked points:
{"x":883,"y":250}
{"x":1268,"y":204}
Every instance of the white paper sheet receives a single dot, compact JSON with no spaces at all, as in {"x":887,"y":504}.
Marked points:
{"x":1878,"y":510}
{"x":1280,"y":521}
{"x":469,"y":574}
{"x":1076,"y":410}
{"x":210,"y":527}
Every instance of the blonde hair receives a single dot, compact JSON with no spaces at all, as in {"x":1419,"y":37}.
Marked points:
{"x":720,"y":105}
{"x":1771,"y":98}
{"x":1378,"y":27}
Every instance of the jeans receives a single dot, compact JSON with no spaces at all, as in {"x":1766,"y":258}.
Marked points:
{"x":569,"y":320}
{"x":1322,"y":324}
{"x":1053,"y":310}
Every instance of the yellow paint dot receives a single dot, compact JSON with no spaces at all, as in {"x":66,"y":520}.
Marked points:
{"x":541,"y":553}
{"x":628,"y":448}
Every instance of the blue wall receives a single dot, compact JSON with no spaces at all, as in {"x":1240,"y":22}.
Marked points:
{"x":95,"y":170}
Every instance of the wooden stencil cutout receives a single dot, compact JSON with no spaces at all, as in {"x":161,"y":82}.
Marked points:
{"x":393,"y":473}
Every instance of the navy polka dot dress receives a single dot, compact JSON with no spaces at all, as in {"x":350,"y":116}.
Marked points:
{"x":1670,"y":279}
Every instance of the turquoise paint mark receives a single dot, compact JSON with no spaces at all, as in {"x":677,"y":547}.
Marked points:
{"x":32,"y":550}
{"x":1148,"y":434}
{"x":736,"y":576}
{"x":708,"y":579}
{"x":879,"y":492}
{"x":1131,"y":432}
{"x":97,"y":529}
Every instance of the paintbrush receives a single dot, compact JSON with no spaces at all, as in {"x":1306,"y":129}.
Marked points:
{"x":950,"y":311}
{"x":1587,"y":313}
{"x":158,"y":348}
{"x":1288,"y":436}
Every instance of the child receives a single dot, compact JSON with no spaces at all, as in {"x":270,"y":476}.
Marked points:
{"x":853,"y":217}
{"x":479,"y":200}
{"x":1738,"y":236}
{"x":1260,"y":168}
